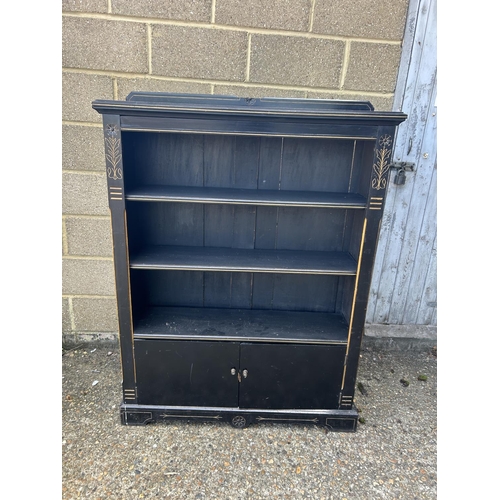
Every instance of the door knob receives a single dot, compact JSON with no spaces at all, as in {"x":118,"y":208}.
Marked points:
{"x":245,"y":373}
{"x":233,"y":371}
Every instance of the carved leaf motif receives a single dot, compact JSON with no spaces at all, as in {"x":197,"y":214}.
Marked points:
{"x":114,"y":157}
{"x":381,"y":166}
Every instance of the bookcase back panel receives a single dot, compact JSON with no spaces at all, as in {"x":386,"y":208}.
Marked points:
{"x":354,"y":232}
{"x":285,"y":292}
{"x":231,"y":161}
{"x":319,"y":229}
{"x":227,"y":161}
{"x":317,"y":164}
{"x":164,"y":159}
{"x":236,"y":226}
{"x":359,"y":180}
{"x":164,"y":224}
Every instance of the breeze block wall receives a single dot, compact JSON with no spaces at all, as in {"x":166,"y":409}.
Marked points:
{"x":333,"y":49}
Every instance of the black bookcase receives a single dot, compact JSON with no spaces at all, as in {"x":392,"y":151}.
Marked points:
{"x":244,"y":236}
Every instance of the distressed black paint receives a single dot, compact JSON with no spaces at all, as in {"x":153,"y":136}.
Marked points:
{"x":244,"y":236}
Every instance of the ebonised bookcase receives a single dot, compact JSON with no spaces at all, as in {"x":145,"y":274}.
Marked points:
{"x":244,"y":236}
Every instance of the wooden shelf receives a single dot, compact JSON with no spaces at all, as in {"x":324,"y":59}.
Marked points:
{"x":233,"y":196}
{"x":241,"y":325}
{"x":241,"y":260}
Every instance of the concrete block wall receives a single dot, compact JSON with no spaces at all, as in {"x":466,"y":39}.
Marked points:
{"x":339,"y":49}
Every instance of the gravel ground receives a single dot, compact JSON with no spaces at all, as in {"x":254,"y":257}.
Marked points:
{"x":392,"y":455}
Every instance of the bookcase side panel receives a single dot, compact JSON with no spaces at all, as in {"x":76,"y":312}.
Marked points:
{"x":378,"y":179}
{"x":116,"y":199}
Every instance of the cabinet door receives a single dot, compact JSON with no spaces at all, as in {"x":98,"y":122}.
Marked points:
{"x":290,"y":376}
{"x":186,"y":373}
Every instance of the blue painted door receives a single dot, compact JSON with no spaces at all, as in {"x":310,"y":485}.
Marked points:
{"x":403,"y":291}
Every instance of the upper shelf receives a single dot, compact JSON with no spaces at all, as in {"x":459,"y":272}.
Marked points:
{"x":191,"y":258}
{"x":233,"y":196}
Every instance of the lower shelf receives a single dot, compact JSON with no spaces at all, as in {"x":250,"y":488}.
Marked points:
{"x":335,"y":420}
{"x":241,"y":325}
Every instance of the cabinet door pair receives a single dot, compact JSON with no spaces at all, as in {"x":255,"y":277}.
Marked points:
{"x":234,"y":374}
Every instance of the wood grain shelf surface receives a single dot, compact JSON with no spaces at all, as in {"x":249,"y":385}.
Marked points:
{"x":269,"y":197}
{"x":191,"y":258}
{"x":241,"y":324}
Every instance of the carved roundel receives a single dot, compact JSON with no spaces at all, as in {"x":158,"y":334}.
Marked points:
{"x":239,"y":421}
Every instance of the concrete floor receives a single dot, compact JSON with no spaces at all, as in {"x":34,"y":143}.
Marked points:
{"x":393,"y":455}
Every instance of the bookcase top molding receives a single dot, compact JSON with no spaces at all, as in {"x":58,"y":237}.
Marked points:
{"x":147,"y":103}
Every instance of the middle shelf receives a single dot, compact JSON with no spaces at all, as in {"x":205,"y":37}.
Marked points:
{"x":193,"y":258}
{"x":234,"y":196}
